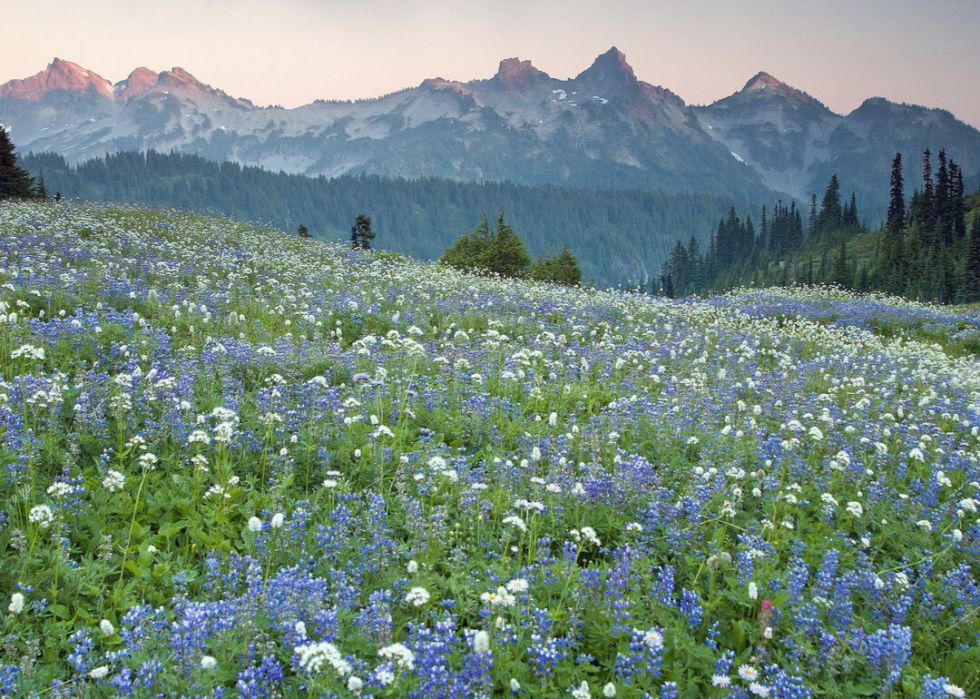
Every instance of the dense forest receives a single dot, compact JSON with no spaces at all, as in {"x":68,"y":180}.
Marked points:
{"x":617,"y":236}
{"x":927,"y":249}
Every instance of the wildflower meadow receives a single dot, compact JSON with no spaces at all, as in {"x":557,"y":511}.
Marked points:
{"x":237,"y":463}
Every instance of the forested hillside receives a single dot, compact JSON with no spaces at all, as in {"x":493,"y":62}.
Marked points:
{"x":927,"y":249}
{"x":617,"y":236}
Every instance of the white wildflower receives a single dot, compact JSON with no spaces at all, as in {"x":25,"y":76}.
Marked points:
{"x":402,"y":656}
{"x":16,"y":605}
{"x":417,"y":596}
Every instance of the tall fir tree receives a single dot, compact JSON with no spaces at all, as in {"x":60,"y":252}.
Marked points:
{"x":941,"y":209}
{"x":831,"y":213}
{"x":696,"y":265}
{"x":764,"y":228}
{"x":15,"y":182}
{"x":841,"y":269}
{"x":926,"y":213}
{"x":971,"y":267}
{"x":850,"y":217}
{"x":41,"y":192}
{"x":507,"y":253}
{"x":957,"y":201}
{"x":896,"y":205}
{"x":566,"y":271}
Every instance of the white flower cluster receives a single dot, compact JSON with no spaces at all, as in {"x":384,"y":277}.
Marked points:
{"x":28,"y":352}
{"x":417,"y":596}
{"x":313,"y":657}
{"x":402,"y":656}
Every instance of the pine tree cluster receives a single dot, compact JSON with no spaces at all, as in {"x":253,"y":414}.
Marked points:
{"x":925,"y":250}
{"x":502,"y":252}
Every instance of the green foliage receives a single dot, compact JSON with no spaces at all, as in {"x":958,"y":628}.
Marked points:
{"x":361,"y":233}
{"x":561,"y":269}
{"x":971,"y":265}
{"x":501,"y":252}
{"x":506,"y":255}
{"x":15,"y":182}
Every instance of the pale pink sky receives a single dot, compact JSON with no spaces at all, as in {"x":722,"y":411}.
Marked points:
{"x":291,"y":52}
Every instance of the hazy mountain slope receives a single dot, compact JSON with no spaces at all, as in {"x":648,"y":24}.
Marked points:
{"x":796,"y":143}
{"x":603,"y":128}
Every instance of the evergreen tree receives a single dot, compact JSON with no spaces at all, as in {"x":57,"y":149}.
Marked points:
{"x":925,"y":210}
{"x":971,"y":268}
{"x":469,"y":252}
{"x":811,"y":222}
{"x":669,"y":287}
{"x":14,"y":180}
{"x":41,"y":192}
{"x":303,"y":231}
{"x":764,"y":229}
{"x":831,"y":213}
{"x":678,"y":267}
{"x":850,"y":218}
{"x":941,"y":209}
{"x":957,"y":201}
{"x":361,"y":234}
{"x":507,"y":255}
{"x":560,"y":269}
{"x":808,"y":274}
{"x":696,"y":264}
{"x":896,"y":207}
{"x":841,"y":270}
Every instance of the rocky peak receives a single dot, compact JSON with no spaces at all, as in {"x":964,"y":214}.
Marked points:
{"x":178,"y":75}
{"x":765,"y":81}
{"x":609,"y":69}
{"x":515,"y":73}
{"x":765,"y":85}
{"x":139,"y":81}
{"x":59,"y":76}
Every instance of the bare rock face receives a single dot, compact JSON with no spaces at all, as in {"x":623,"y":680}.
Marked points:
{"x":139,"y":81}
{"x":609,"y":70}
{"x":515,"y":74}
{"x":60,"y":76}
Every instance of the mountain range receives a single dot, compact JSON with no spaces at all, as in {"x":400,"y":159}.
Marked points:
{"x":603,"y":129}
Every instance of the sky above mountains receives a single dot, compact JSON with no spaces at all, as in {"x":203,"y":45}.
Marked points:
{"x":291,"y":52}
